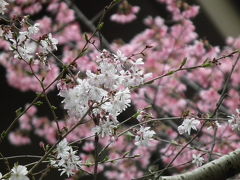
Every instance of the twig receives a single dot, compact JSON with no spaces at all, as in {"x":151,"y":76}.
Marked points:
{"x":5,"y":161}
{"x":86,"y":21}
{"x":220,"y":101}
{"x":204,"y":65}
{"x":96,"y":156}
{"x":21,"y":156}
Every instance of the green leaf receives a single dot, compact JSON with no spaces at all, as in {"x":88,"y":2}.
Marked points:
{"x":100,"y":26}
{"x":183,"y":63}
{"x":18,"y":111}
{"x":86,"y":37}
{"x":130,"y":134}
{"x":38,"y":103}
{"x":126,"y":153}
{"x":207,"y":64}
{"x":106,"y":159}
{"x":3,"y":134}
{"x":170,"y":72}
{"x":53,"y":107}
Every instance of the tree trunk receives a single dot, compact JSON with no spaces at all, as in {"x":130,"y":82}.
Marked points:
{"x":219,"y":169}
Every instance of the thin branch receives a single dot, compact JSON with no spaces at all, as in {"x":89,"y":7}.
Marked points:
{"x":96,"y":156}
{"x":203,"y":65}
{"x":21,"y":156}
{"x":86,"y":21}
{"x":221,"y":99}
{"x":5,"y":161}
{"x":226,"y":85}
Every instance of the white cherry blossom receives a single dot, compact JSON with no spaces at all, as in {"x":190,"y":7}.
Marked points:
{"x":120,"y":56}
{"x":19,"y":172}
{"x":105,"y":128}
{"x":143,"y":136}
{"x":66,"y":159}
{"x":234,"y":120}
{"x":32,"y":30}
{"x":62,"y":148}
{"x":120,"y":102}
{"x":187,"y":125}
{"x":108,"y":89}
{"x":49,"y":43}
{"x":197,"y":159}
{"x":3,"y":5}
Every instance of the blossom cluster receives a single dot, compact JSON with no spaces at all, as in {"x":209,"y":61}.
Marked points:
{"x":18,"y":172}
{"x":66,"y":159}
{"x":126,"y":13}
{"x":21,"y":45}
{"x":22,"y":42}
{"x":106,"y":91}
{"x":143,"y":136}
{"x":187,"y":125}
{"x":234,"y":120}
{"x":197,"y":159}
{"x":30,"y":50}
{"x":3,"y":5}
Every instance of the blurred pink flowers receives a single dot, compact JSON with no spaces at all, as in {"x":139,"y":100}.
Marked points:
{"x":126,"y":13}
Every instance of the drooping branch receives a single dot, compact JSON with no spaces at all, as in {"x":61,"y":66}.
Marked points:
{"x":219,"y":169}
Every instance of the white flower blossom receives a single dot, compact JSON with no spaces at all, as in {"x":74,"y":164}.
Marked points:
{"x":8,"y":35}
{"x":0,"y":175}
{"x":187,"y":125}
{"x":66,"y":159}
{"x":49,"y":43}
{"x":105,"y":128}
{"x":107,"y":89}
{"x":120,"y":102}
{"x":197,"y":160}
{"x":19,"y":172}
{"x":19,"y":42}
{"x":3,"y":5}
{"x":26,"y":51}
{"x":22,"y":46}
{"x":122,"y":99}
{"x":62,"y":148}
{"x":97,"y":94}
{"x":32,"y":30}
{"x":234,"y":120}
{"x":143,"y":136}
{"x":139,"y":61}
{"x":120,"y":56}
{"x":134,"y":76}
{"x":76,"y":99}
{"x":109,"y":77}
{"x":67,"y":169}
{"x":1,"y":31}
